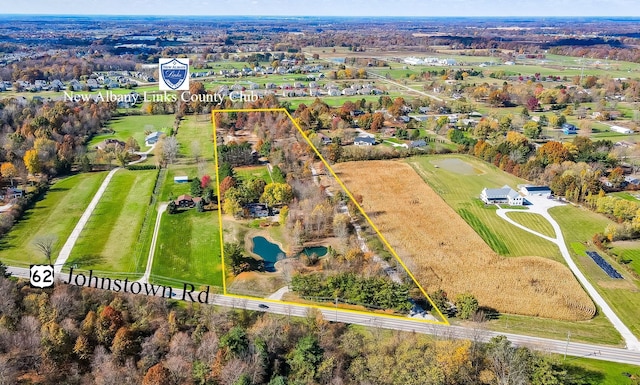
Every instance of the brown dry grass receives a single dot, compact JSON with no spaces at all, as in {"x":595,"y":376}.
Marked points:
{"x":443,"y":251}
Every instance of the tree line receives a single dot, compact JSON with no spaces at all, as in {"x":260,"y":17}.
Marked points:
{"x":75,"y":336}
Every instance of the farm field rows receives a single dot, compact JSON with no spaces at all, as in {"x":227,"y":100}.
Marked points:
{"x":56,"y":214}
{"x":443,"y":251}
{"x":109,"y":239}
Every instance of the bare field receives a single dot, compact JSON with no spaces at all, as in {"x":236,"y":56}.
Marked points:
{"x":443,"y":251}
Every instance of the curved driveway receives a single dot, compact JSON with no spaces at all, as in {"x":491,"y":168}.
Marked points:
{"x":541,"y":205}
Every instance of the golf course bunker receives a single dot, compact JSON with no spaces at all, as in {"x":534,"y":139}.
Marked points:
{"x":458,"y":166}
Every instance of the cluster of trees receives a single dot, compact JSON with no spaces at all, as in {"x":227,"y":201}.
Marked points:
{"x":571,"y":169}
{"x":63,"y":68}
{"x":626,"y":213}
{"x":465,"y":306}
{"x":238,"y":261}
{"x":48,"y":138}
{"x":71,"y":335}
{"x":237,"y":193}
{"x":371,"y":292}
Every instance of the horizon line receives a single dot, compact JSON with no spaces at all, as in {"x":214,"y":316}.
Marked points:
{"x":330,"y":16}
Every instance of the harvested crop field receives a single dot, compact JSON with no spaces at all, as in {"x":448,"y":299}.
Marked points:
{"x":443,"y":251}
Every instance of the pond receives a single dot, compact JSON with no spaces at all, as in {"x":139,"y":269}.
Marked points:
{"x":269,"y":252}
{"x":320,"y":251}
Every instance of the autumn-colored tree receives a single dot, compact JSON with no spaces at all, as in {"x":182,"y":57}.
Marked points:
{"x":532,"y":129}
{"x":227,"y":183}
{"x":277,"y":194}
{"x":31,"y":161}
{"x":616,"y":177}
{"x":157,"y":375}
{"x":552,"y":152}
{"x":109,"y":321}
{"x":82,"y":348}
{"x":9,"y":171}
{"x":132,"y":144}
{"x":123,"y":344}
{"x":377,"y":122}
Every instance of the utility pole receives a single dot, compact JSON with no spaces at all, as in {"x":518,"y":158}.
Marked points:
{"x":567,"y":347}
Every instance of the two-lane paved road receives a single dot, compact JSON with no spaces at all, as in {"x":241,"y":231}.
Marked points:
{"x":599,"y":352}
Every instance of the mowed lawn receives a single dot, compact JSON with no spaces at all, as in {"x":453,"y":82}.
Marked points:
{"x":188,"y":249}
{"x":459,"y":180}
{"x":188,"y":245}
{"x":578,"y":226}
{"x":56,"y":214}
{"x":535,"y":222}
{"x":108,"y":241}
{"x":629,"y":251}
{"x":253,"y":172}
{"x":134,"y":126}
{"x":196,"y":133}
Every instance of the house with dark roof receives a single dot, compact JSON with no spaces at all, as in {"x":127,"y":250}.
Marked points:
{"x":501,"y":195}
{"x":417,"y":143}
{"x":569,"y":129}
{"x":529,"y":190}
{"x":186,"y":201}
{"x":364,"y":141}
{"x":152,"y":138}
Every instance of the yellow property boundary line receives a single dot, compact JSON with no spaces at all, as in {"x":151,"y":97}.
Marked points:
{"x":344,"y":188}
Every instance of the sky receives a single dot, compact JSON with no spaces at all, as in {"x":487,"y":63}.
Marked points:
{"x":327,"y":7}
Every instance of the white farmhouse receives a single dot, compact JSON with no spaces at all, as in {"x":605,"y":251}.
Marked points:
{"x":502,"y":195}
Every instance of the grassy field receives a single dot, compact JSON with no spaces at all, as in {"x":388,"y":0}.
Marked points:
{"x":629,"y":251}
{"x":533,"y":221}
{"x":258,"y":172}
{"x":188,"y":249}
{"x":109,"y":239}
{"x":57,"y":214}
{"x":578,"y":226}
{"x":194,"y":136}
{"x":459,"y":181}
{"x":604,"y":372}
{"x":597,"y":330}
{"x":445,"y":252}
{"x":134,"y":126}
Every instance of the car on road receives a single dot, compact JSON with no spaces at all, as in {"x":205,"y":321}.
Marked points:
{"x":263,"y":306}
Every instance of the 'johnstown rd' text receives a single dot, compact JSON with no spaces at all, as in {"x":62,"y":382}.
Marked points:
{"x":189,"y":292}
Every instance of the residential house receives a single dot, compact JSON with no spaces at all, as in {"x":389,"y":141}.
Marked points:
{"x":187,"y":201}
{"x":569,"y":129}
{"x":364,"y":141}
{"x":324,"y":139}
{"x":348,"y":91}
{"x":418,"y":143}
{"x":152,"y":138}
{"x":110,"y":142}
{"x":501,"y":195}
{"x":12,"y":193}
{"x":257,"y":210}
